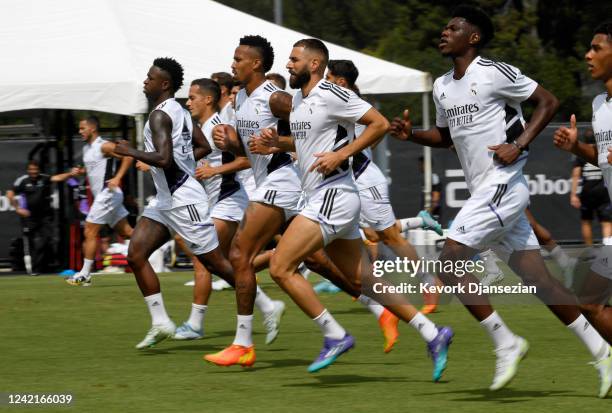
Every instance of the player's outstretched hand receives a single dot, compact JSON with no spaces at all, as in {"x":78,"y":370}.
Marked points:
{"x":327,"y":162}
{"x":269,"y":136}
{"x":567,"y":138}
{"x":610,"y":156}
{"x":401,"y":128}
{"x":259,"y":146}
{"x":205,"y":171}
{"x":221,"y":137}
{"x":113,"y":183}
{"x":143,"y":167}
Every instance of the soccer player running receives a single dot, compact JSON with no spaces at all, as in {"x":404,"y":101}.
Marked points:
{"x":597,"y":287}
{"x":172,"y":147}
{"x":478,"y":110}
{"x":376,"y":210}
{"x":100,"y":165}
{"x":260,"y":105}
{"x":323,"y":118}
{"x":227,"y":203}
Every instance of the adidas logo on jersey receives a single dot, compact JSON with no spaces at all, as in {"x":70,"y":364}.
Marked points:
{"x":443,"y":96}
{"x":461,"y":229}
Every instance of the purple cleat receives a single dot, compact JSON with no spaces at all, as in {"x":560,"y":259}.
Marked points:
{"x":438,"y":350}
{"x":332,"y":349}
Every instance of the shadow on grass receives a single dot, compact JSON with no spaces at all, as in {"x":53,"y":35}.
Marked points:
{"x":263,"y":365}
{"x":340,"y":380}
{"x":503,"y":396}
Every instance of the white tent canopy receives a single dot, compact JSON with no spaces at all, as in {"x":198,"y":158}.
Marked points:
{"x":94,"y":54}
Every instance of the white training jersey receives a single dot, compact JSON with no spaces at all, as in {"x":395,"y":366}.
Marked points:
{"x":99,"y":167}
{"x":218,"y":187}
{"x":227,"y":114}
{"x":324,"y":121}
{"x":482,"y":109}
{"x":253,"y":114}
{"x":602,"y":129}
{"x":175,"y":185}
{"x":367,"y":174}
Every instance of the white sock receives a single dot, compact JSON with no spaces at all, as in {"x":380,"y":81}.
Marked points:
{"x":329,"y":326}
{"x":607,"y":241}
{"x":560,"y":256}
{"x":371,"y":305}
{"x":598,"y":347}
{"x":410,"y":223}
{"x":263,"y":302}
{"x":490,"y":263}
{"x":424,"y":326}
{"x":196,"y":318}
{"x":158,"y":312}
{"x":244,"y":331}
{"x":498,"y":330}
{"x":86,"y":270}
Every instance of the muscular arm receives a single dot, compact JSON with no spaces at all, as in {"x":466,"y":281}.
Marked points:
{"x":586,"y":151}
{"x":436,"y":137}
{"x":377,"y":126}
{"x":161,"y":129}
{"x":234,"y":142}
{"x":76,"y":171}
{"x":201,"y":147}
{"x":280,"y":104}
{"x":546,"y":107}
{"x":238,"y":164}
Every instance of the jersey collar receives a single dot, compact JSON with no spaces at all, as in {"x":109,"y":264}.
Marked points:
{"x":472,"y":65}
{"x":258,"y":89}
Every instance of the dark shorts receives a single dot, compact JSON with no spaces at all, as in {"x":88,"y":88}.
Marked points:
{"x":595,"y":202}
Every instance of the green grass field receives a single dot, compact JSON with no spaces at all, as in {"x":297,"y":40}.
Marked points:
{"x":57,"y":338}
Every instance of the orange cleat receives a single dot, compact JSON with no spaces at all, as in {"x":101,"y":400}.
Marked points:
{"x":234,"y":354}
{"x":388,"y":324}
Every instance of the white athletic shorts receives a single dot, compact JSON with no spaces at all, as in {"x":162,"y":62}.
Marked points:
{"x":289,"y":201}
{"x":603,"y":262}
{"x":107,"y":208}
{"x":494,"y":217}
{"x":231,"y":208}
{"x":376,"y":209}
{"x":248,"y":183}
{"x":337,"y":212}
{"x":191,"y":222}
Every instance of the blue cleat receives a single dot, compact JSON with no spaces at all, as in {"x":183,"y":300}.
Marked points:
{"x":332,"y":349}
{"x":326,"y":286}
{"x":438,"y":351}
{"x":430,"y":223}
{"x":186,"y":332}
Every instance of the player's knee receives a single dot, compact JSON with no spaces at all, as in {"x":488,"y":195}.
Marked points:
{"x":279,"y":270}
{"x":135,"y":257}
{"x":237,"y":257}
{"x":91,"y":231}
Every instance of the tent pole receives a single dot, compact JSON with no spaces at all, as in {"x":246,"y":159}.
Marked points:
{"x":381,"y":153}
{"x":140,"y":146}
{"x":426,"y":156}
